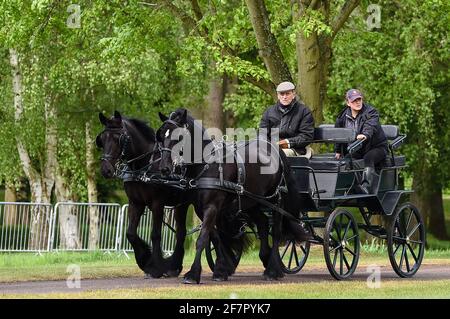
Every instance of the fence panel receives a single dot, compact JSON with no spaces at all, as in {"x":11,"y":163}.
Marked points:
{"x":25,"y":226}
{"x":85,"y":226}
{"x":145,"y":228}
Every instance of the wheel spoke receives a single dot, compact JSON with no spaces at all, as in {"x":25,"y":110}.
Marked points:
{"x":285,"y":249}
{"x":335,"y":248}
{"x":338,"y":231}
{"x":408,"y":269}
{"x":396,"y":249}
{"x":412,"y":253}
{"x":334,"y":259}
{"x":416,"y":242}
{"x":402,"y":257}
{"x":414,"y":230}
{"x":295,"y":255}
{"x":409,"y":220}
{"x":347,"y":228}
{"x":291,"y":255}
{"x":341,"y":262}
{"x":354,"y":236}
{"x":346,"y":262}
{"x":399,"y":238}
{"x":351,"y":252}
{"x":303,"y":249}
{"x":397,"y":226}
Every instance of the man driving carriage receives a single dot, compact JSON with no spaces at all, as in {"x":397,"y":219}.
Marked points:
{"x":364,"y":119}
{"x":293,"y":119}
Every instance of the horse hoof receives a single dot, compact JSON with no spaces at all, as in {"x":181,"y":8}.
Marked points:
{"x":190,"y":281}
{"x":147,"y":276}
{"x":272,"y":277}
{"x":219,"y":278}
{"x":172,"y":273}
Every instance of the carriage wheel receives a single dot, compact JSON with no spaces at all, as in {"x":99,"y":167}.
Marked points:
{"x":210,"y":252}
{"x":406,"y":240}
{"x":293,"y":255}
{"x":341,"y":244}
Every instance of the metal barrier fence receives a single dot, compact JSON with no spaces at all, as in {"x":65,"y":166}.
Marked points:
{"x":33,"y":227}
{"x":145,"y":228}
{"x":85,"y":226}
{"x":25,"y":226}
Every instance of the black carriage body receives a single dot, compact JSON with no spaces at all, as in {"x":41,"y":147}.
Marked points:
{"x":326,"y":183}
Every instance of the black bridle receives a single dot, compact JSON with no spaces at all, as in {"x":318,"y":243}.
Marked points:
{"x":122,"y":163}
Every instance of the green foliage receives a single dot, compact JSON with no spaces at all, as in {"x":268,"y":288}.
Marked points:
{"x":398,"y":70}
{"x":248,"y":104}
{"x":312,"y":21}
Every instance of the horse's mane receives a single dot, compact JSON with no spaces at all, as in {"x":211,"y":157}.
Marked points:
{"x":142,"y":127}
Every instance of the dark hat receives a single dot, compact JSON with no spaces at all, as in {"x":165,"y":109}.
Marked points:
{"x":285,"y":86}
{"x":353,"y":94}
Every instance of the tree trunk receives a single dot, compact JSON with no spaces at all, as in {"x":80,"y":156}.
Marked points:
{"x":214,"y":117}
{"x":69,"y":237}
{"x":230,"y":87}
{"x":92,"y":189}
{"x":313,"y":60}
{"x":41,"y":186}
{"x":312,"y":75}
{"x":428,"y":199}
{"x":10,"y":216}
{"x":269,"y":49}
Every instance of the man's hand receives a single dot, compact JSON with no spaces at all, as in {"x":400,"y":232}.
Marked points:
{"x":337,"y":156}
{"x":361,"y":137}
{"x":283,"y":144}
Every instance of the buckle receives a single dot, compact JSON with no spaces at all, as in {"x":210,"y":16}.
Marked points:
{"x":192,"y":183}
{"x":183,"y":183}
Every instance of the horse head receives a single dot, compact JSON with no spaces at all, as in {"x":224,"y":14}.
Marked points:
{"x":125,"y":140}
{"x":175,"y":135}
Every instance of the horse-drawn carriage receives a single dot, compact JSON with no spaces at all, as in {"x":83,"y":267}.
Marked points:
{"x":319,"y":184}
{"x":327,"y":185}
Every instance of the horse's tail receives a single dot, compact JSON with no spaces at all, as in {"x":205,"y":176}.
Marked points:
{"x":235,"y":241}
{"x":291,"y":229}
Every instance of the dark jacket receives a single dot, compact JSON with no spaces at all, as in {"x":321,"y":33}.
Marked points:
{"x":368,"y":124}
{"x":296,"y":125}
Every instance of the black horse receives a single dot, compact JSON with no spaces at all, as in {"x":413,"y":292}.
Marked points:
{"x":133,"y":143}
{"x":216,"y":203}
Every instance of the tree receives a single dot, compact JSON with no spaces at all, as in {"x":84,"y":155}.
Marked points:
{"x":312,"y":25}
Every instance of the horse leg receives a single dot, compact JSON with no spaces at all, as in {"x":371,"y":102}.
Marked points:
{"x":273,"y":269}
{"x":141,"y":249}
{"x":157,"y":267}
{"x":262,"y":226}
{"x":224,"y":263}
{"x":176,"y":260}
{"x":209,"y":219}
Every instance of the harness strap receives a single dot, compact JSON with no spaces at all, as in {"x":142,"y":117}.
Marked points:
{"x":231,"y":187}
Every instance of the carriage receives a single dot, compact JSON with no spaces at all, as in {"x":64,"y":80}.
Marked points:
{"x":133,"y":152}
{"x":327,"y":185}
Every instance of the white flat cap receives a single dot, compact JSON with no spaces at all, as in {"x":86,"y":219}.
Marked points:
{"x":285,"y":86}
